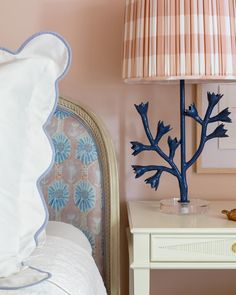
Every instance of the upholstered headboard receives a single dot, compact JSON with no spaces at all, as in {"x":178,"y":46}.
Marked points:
{"x":82,"y":187}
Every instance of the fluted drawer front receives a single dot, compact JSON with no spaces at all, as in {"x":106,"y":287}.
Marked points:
{"x":193,"y":248}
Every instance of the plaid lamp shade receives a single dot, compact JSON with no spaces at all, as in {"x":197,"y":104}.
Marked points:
{"x":179,"y":39}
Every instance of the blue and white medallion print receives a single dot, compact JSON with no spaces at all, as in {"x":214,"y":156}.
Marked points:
{"x":85,"y":195}
{"x":62,"y":147}
{"x":61,"y":114}
{"x":86,"y":150}
{"x":90,"y":238}
{"x":58,"y":195}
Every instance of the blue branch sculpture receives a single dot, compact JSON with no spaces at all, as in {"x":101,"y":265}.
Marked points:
{"x":174,"y":143}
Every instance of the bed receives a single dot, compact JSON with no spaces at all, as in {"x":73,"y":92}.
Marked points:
{"x":81,"y":192}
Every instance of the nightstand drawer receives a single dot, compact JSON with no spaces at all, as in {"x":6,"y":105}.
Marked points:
{"x":193,"y":248}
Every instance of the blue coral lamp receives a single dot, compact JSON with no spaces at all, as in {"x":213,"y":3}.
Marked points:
{"x":180,"y":40}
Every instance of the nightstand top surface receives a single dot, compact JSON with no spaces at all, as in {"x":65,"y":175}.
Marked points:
{"x":145,"y":216}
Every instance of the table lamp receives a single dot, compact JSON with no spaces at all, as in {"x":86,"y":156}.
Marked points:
{"x":179,"y":40}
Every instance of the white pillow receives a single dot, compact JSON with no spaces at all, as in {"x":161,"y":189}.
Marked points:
{"x":69,"y":232}
{"x":28,"y":94}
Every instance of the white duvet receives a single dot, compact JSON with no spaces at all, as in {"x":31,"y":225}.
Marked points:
{"x":73,"y":270}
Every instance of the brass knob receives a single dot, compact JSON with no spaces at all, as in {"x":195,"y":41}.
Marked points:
{"x":234,"y":247}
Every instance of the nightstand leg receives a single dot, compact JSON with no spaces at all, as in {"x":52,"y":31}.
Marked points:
{"x":139,"y":281}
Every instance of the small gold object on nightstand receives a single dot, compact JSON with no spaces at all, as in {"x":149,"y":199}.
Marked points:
{"x":234,"y":247}
{"x":230,"y":214}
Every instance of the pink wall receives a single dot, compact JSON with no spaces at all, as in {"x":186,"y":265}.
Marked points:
{"x":94,"y":30}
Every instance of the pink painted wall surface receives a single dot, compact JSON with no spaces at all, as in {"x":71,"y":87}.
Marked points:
{"x":94,"y":30}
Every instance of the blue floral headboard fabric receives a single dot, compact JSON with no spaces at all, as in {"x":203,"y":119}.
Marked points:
{"x":77,"y":189}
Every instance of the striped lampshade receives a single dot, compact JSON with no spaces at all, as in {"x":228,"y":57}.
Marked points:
{"x":179,"y":39}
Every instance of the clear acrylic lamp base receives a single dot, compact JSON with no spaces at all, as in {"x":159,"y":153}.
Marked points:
{"x":173,"y":206}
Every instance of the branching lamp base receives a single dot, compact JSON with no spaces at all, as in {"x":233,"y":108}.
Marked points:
{"x":182,"y":205}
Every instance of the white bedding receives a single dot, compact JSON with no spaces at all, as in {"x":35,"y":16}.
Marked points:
{"x":67,"y":256}
{"x":73,"y":270}
{"x":69,"y":232}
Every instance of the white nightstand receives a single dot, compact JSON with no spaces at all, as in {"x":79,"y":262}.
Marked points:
{"x":162,"y":241}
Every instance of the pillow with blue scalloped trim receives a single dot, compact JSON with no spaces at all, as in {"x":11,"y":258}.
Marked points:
{"x":28,"y":94}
